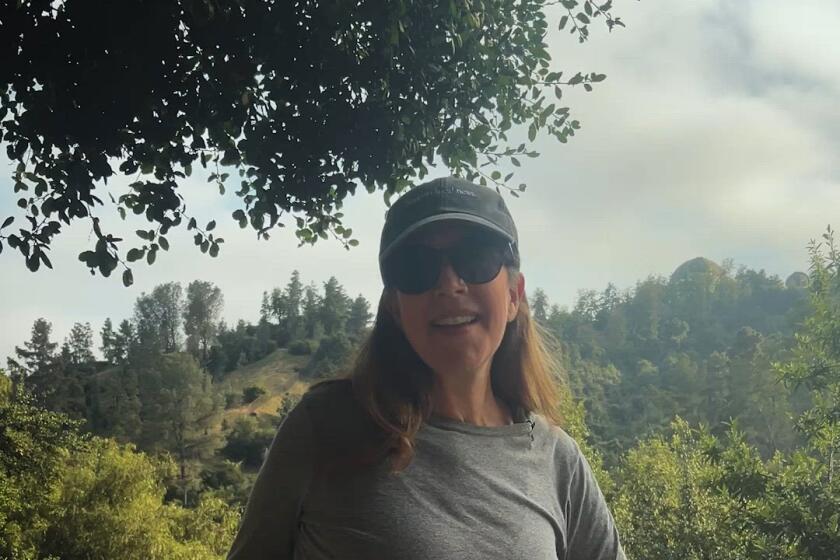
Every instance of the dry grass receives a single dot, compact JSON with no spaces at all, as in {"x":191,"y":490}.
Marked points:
{"x":276,"y":373}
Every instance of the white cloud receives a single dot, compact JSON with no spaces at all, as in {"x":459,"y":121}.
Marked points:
{"x":796,"y":39}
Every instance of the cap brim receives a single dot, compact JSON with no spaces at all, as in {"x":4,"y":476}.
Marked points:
{"x":454,"y":216}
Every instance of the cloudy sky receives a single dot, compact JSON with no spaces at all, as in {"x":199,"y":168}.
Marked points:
{"x":714,"y":135}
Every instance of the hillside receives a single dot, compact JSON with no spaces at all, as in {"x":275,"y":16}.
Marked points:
{"x":276,"y":373}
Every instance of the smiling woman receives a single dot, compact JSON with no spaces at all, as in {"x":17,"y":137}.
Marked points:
{"x":444,"y":441}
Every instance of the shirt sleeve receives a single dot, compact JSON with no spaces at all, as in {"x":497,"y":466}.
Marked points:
{"x":591,"y":530}
{"x":270,"y":523}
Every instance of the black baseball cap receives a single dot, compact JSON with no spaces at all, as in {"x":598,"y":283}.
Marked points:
{"x":447,"y":198}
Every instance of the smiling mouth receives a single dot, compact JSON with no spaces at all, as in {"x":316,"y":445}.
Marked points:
{"x":454,"y":322}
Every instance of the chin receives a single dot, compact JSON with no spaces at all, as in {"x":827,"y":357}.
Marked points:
{"x":442,"y":363}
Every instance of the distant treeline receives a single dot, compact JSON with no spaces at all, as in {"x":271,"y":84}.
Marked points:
{"x":707,"y":402}
{"x":700,"y":345}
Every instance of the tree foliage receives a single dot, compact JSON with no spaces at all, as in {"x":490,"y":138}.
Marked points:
{"x":77,"y":498}
{"x":303,"y":102}
{"x":201,"y":316}
{"x":699,"y":345}
{"x":179,"y":407}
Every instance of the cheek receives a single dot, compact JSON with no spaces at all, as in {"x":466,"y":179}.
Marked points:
{"x":411,"y":312}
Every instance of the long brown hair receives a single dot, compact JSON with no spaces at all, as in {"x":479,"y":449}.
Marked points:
{"x":394,"y":385}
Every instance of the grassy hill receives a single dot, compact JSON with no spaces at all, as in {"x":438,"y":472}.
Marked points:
{"x":277,"y":373}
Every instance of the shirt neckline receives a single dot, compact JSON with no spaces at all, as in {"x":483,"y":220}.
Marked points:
{"x":523,"y":424}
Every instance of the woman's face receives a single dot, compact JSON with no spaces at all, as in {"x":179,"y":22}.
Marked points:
{"x":463,"y":348}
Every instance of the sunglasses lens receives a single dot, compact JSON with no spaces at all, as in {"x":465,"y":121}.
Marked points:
{"x":414,"y":269}
{"x":479,"y":263}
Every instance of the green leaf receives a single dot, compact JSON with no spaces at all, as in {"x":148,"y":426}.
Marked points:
{"x":214,"y":250}
{"x":127,"y":278}
{"x":134,"y":255}
{"x":563,"y":21}
{"x":210,"y":225}
{"x":515,"y":162}
{"x":7,"y":221}
{"x":496,"y":175}
{"x":33,"y":263}
{"x":164,"y":244}
{"x":150,"y":257}
{"x":532,"y":132}
{"x":353,"y":242}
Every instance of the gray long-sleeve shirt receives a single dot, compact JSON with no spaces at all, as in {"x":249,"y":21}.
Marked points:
{"x":521,"y":491}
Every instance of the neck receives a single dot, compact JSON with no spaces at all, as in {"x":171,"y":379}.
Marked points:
{"x":468,"y":397}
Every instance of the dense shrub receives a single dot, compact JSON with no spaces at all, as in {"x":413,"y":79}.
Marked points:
{"x":71,"y":497}
{"x":248,"y":440}
{"x":252,"y":393}
{"x":332,"y":356}
{"x":300,"y":348}
{"x":232,"y":400}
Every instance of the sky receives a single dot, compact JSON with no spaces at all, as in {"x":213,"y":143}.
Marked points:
{"x":714,"y":135}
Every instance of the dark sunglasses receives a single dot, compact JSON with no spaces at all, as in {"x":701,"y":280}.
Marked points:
{"x":414,"y":269}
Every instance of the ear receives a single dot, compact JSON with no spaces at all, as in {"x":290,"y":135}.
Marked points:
{"x":516,"y":291}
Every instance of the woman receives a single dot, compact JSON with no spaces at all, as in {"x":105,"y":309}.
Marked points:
{"x":442,"y":442}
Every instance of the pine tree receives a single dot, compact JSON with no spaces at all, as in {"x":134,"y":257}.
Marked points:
{"x":539,"y":306}
{"x":294,"y":302}
{"x":80,"y":344}
{"x":109,"y":339}
{"x":38,"y":353}
{"x":179,"y":409}
{"x":201,"y":313}
{"x":310,"y":310}
{"x":335,"y":307}
{"x":125,"y":341}
{"x":359,"y":316}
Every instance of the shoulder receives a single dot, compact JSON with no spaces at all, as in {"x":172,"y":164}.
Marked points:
{"x":338,"y":419}
{"x":563,"y":448}
{"x":329,"y":392}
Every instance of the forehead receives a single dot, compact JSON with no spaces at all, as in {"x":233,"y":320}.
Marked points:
{"x":445,"y":233}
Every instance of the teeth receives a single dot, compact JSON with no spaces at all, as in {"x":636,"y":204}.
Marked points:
{"x":455,"y":320}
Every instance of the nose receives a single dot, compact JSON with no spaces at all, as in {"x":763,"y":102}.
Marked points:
{"x":449,"y":282}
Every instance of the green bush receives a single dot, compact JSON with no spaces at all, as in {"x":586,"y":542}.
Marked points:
{"x":66,"y":496}
{"x":248,"y":440}
{"x":331,"y":357}
{"x":252,"y":393}
{"x":300,"y":348}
